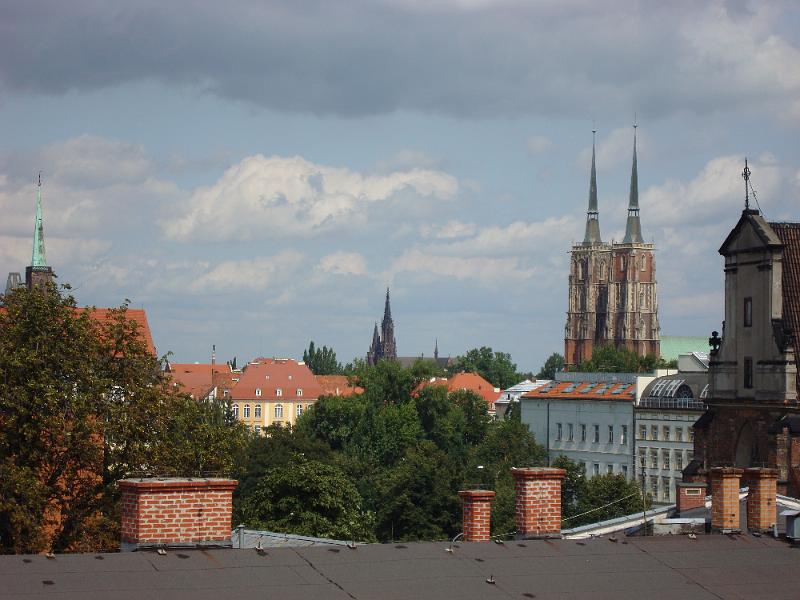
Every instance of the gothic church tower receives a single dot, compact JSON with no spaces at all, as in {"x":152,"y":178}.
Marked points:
{"x":612,"y":287}
{"x":383,"y":344}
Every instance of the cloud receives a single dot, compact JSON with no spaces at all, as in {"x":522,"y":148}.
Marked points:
{"x":253,"y":274}
{"x":450,"y":230}
{"x":539,"y":144}
{"x":364,"y":57}
{"x":614,"y":149}
{"x":482,"y":269}
{"x":286,"y":196}
{"x":343,"y":263}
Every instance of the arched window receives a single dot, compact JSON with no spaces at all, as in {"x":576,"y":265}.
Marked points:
{"x":602,"y":269}
{"x":279,"y":411}
{"x":257,"y":411}
{"x":246,"y":411}
{"x":258,"y":391}
{"x":299,"y":392}
{"x":299,"y":409}
{"x":236,"y":411}
{"x":644,"y":262}
{"x":621,"y":263}
{"x":279,"y":392}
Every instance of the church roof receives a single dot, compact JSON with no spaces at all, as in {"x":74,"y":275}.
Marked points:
{"x":763,"y":231}
{"x":789,"y":235}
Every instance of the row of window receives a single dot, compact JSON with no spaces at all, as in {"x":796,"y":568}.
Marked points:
{"x":609,"y":469}
{"x":279,"y":392}
{"x":570,"y":437}
{"x":257,"y":411}
{"x":669,"y":460}
{"x":580,"y":267}
{"x":666,"y":433}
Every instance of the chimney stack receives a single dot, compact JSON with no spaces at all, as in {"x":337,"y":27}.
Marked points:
{"x":725,"y":499}
{"x":538,"y":500}
{"x":176,"y":512}
{"x":762,"y":499}
{"x":690,"y":495}
{"x":477,"y":507}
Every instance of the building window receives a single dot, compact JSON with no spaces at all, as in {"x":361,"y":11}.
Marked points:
{"x":236,"y":411}
{"x":583,"y":432}
{"x":624,"y":471}
{"x":246,"y":411}
{"x":689,"y":456}
{"x":258,"y":392}
{"x":654,"y":432}
{"x":678,"y":460}
{"x":257,"y":429}
{"x":299,"y":409}
{"x":679,"y":434}
{"x":279,"y":392}
{"x":623,"y":438}
{"x":654,"y":485}
{"x":257,"y":411}
{"x":279,"y":411}
{"x":559,"y":432}
{"x":596,"y":469}
{"x":665,"y":459}
{"x":597,"y":434}
{"x":610,"y":434}
{"x":299,"y":392}
{"x":225,"y":393}
{"x":653,"y":459}
{"x":642,"y":432}
{"x":570,"y":432}
{"x":665,"y":488}
{"x":748,"y":312}
{"x":748,"y":372}
{"x":690,"y":435}
{"x":610,"y":469}
{"x":644,"y":262}
{"x":643,"y":457}
{"x":665,"y":433}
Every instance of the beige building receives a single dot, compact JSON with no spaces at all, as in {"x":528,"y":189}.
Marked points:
{"x":273,"y":391}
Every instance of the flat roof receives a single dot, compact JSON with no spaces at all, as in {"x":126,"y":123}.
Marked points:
{"x":708,"y":567}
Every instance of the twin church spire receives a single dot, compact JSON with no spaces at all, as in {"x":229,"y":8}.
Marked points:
{"x":633,"y":227}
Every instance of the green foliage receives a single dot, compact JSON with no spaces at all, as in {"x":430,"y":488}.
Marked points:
{"x":553,"y":364}
{"x":385,"y":383}
{"x":83,"y":404}
{"x":597,"y":499}
{"x":307,"y":497}
{"x":322,"y":361}
{"x":495,"y":367}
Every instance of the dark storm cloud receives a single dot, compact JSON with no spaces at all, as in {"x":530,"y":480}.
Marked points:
{"x":459,"y":58}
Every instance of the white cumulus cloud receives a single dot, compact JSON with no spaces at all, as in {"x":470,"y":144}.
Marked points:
{"x":343,"y":263}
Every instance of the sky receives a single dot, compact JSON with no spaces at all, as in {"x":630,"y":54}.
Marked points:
{"x":256,"y":173}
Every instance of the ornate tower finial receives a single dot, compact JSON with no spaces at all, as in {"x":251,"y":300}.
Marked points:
{"x":592,"y":215}
{"x":39,"y":257}
{"x":746,"y":176}
{"x":436,"y":349}
{"x":633,"y":228}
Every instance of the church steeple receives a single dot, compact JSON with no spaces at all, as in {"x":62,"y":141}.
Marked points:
{"x":38,"y":273}
{"x":39,"y":257}
{"x":633,"y":228}
{"x":592,"y":215}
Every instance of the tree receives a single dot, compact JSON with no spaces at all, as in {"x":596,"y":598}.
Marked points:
{"x":82,"y":404}
{"x":310,"y":498}
{"x":322,"y":361}
{"x":495,"y":367}
{"x":553,"y":364}
{"x":609,"y":359}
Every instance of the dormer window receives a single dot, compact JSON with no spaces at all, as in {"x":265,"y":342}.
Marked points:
{"x":290,"y":377}
{"x":258,"y":391}
{"x":279,"y":392}
{"x":299,"y":392}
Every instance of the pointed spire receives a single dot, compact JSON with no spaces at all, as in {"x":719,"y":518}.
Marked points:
{"x":633,"y":228}
{"x":436,"y":349}
{"x":592,"y":216}
{"x":39,"y":258}
{"x":387,"y":309}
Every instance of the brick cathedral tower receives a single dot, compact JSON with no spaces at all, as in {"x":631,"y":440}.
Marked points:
{"x":383,"y":344}
{"x":612,"y":287}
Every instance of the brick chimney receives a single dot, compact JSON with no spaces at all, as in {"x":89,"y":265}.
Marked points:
{"x":725,"y":499}
{"x":477,"y":507}
{"x":690,"y":495}
{"x":538,"y":501}
{"x":176,"y":512}
{"x":761,"y":500}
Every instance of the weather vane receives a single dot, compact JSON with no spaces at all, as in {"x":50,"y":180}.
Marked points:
{"x":746,"y":177}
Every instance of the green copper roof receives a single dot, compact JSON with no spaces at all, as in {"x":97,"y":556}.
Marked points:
{"x":633,"y":228}
{"x":592,"y":222}
{"x":673,"y":345}
{"x":39,"y":258}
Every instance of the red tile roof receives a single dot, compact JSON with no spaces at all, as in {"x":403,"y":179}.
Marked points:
{"x":594,"y":391}
{"x":789,"y":234}
{"x":337,"y":385}
{"x":198,"y":379}
{"x":104,"y":315}
{"x":272,"y":374}
{"x":468,"y":381}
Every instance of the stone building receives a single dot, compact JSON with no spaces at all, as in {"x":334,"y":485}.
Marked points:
{"x":384,"y":346}
{"x":612,"y":286}
{"x":753,"y":417}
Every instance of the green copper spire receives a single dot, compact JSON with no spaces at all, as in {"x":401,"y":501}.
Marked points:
{"x":592,"y":215}
{"x":39,"y":258}
{"x":633,"y":228}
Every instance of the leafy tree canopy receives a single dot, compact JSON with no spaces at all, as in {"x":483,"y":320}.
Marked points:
{"x":609,"y":359}
{"x":322,"y":361}
{"x":82,"y":404}
{"x":495,"y":367}
{"x":553,"y":364}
